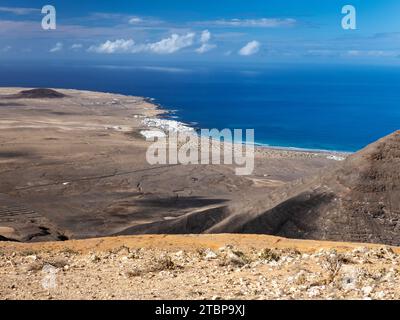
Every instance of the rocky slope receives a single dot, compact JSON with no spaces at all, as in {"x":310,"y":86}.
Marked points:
{"x":198,"y":267}
{"x":356,"y":200}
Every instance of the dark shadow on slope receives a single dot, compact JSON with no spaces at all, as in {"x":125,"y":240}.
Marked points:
{"x":11,"y":104}
{"x":2,"y":238}
{"x":192,"y":223}
{"x":14,"y":154}
{"x":178,"y":202}
{"x":293,"y":218}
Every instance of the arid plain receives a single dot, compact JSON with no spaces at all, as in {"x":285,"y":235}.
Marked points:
{"x":74,"y":178}
{"x":75,"y":167}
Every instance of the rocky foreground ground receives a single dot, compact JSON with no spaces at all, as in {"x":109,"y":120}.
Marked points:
{"x":198,"y":267}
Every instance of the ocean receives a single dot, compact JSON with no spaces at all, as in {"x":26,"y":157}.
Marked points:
{"x":340,"y":108}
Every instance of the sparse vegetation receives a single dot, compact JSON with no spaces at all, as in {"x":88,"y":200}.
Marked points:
{"x":134,"y":273}
{"x":35,"y":266}
{"x":70,"y":251}
{"x":269,"y":255}
{"x":164,"y":263}
{"x":234,"y":258}
{"x":56,"y":262}
{"x":228,"y":273}
{"x":120,"y":249}
{"x":29,"y":253}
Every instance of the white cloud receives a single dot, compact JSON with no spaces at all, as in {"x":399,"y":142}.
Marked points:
{"x":260,"y":23}
{"x":353,"y":53}
{"x":125,"y":18}
{"x":76,"y":46}
{"x":168,"y":45}
{"x":58,"y":47}
{"x":32,"y":29}
{"x":249,"y":49}
{"x":204,"y":39}
{"x":321,"y":53}
{"x":205,"y":36}
{"x":117,"y":46}
{"x":165,"y":69}
{"x":144,"y":21}
{"x":150,"y":68}
{"x":135,"y":20}
{"x":172,"y":44}
{"x":205,"y":47}
{"x":18,"y":11}
{"x":371,"y":53}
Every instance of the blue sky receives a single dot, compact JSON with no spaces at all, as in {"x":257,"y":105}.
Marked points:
{"x":260,"y":31}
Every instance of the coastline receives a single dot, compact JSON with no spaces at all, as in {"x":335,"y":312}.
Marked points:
{"x":164,"y":117}
{"x":163,"y":114}
{"x":165,"y":122}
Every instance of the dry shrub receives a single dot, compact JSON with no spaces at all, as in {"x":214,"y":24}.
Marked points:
{"x":269,"y":255}
{"x":164,"y":263}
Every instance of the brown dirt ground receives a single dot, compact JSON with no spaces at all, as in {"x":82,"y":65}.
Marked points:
{"x":198,"y":267}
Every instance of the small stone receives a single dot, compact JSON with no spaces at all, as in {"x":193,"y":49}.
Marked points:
{"x":179,"y":254}
{"x":367,"y":290}
{"x":350,"y":276}
{"x":209,"y":254}
{"x":315,"y":291}
{"x":32,"y":257}
{"x":94,"y":258}
{"x":235,"y":259}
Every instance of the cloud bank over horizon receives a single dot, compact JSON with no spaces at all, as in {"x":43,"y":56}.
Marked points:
{"x":168,"y":45}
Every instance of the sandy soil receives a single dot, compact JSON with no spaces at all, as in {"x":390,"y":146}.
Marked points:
{"x":198,"y":267}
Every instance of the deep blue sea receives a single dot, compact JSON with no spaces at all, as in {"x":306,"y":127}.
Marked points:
{"x":339,"y":108}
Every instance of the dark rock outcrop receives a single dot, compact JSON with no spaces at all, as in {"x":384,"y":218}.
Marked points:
{"x":40,"y":93}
